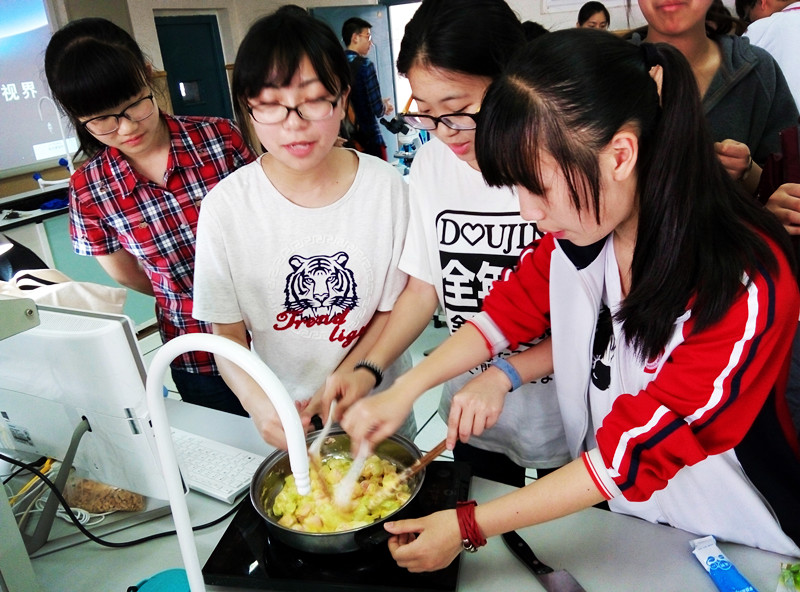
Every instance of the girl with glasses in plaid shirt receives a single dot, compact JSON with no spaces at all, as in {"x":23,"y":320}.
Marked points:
{"x":134,"y":203}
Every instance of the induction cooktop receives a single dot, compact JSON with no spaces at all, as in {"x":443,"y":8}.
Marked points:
{"x":247,"y":557}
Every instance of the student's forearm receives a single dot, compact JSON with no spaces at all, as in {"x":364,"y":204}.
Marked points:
{"x":367,"y":341}
{"x":535,"y":362}
{"x":563,"y":492}
{"x":462,"y":351}
{"x":254,"y":400}
{"x":410,"y":315}
{"x":239,"y":381}
{"x":126,"y":270}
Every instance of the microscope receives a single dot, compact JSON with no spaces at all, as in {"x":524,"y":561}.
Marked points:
{"x":408,"y":141}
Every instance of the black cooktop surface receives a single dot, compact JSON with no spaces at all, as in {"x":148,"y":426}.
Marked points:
{"x":247,"y":557}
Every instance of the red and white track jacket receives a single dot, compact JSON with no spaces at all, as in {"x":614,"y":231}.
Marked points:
{"x":698,"y":438}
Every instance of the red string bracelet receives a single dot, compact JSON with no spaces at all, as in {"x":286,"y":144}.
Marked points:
{"x":471,"y":535}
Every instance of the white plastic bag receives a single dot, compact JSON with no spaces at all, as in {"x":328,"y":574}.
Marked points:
{"x":51,"y":287}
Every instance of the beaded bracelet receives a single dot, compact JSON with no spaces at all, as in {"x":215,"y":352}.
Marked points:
{"x":506,"y":368}
{"x":373,"y":368}
{"x":471,"y":535}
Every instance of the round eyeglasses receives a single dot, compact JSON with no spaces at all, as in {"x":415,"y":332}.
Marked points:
{"x":108,"y":124}
{"x":455,"y":121}
{"x":316,"y":110}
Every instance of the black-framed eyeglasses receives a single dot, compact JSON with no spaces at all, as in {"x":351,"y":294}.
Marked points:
{"x":108,"y":124}
{"x":315,"y":110}
{"x":455,"y":121}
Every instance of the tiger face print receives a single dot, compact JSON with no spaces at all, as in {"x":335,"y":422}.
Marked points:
{"x":321,"y":285}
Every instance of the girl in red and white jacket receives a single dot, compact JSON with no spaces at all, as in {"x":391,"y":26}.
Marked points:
{"x":670,"y":296}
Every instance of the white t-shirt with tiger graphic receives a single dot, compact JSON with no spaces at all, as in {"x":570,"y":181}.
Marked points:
{"x":305,"y":281}
{"x":461,"y":235}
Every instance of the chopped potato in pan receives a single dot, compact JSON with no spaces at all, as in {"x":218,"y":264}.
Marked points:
{"x":375,"y":496}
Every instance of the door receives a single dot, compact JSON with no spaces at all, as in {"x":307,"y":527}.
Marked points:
{"x":192,"y":54}
{"x":380,"y":54}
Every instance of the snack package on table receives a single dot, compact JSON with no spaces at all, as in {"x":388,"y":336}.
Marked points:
{"x":99,"y":498}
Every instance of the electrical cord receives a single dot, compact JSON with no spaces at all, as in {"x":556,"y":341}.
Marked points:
{"x":32,"y":484}
{"x":38,"y":463}
{"x":32,"y":469}
{"x":84,"y":516}
{"x":31,"y":498}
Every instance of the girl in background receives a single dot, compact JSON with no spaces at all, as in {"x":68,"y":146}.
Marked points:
{"x":134,"y":204}
{"x":593,"y":15}
{"x":299,"y":249}
{"x":462,"y":235}
{"x":670,"y":295}
{"x":746,"y":99}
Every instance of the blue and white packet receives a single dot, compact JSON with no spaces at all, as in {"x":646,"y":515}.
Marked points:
{"x":722,"y":571}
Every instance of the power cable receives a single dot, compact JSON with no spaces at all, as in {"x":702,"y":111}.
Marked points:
{"x":76,"y":521}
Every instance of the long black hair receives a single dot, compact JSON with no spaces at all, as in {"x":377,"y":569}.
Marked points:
{"x":272,"y":50}
{"x":475,"y":37}
{"x":567,"y":94}
{"x":93,"y":65}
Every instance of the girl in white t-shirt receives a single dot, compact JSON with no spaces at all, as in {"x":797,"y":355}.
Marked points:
{"x":462,"y":235}
{"x":298,"y":251}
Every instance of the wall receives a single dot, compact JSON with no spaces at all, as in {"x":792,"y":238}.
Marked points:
{"x":23,"y":183}
{"x":113,"y":10}
{"x":235,"y":16}
{"x":555,"y":19}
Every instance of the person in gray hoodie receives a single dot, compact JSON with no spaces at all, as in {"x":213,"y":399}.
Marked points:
{"x":747,"y":102}
{"x":746,"y":99}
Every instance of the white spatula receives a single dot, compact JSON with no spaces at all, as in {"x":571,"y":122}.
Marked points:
{"x":343,"y":490}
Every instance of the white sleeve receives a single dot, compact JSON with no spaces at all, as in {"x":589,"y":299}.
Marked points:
{"x":395,"y":278}
{"x":214,"y":294}
{"x":415,"y":260}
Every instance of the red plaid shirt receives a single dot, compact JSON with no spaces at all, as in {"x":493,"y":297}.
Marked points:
{"x":113,"y":207}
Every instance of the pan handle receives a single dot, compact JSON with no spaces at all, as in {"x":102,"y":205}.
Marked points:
{"x":369,"y":538}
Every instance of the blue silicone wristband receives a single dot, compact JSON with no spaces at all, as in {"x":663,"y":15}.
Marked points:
{"x":506,"y":368}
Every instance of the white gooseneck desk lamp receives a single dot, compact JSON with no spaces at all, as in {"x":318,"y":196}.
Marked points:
{"x":269,"y":383}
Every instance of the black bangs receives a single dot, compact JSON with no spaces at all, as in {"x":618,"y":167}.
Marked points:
{"x":520,"y":123}
{"x":284,"y":64}
{"x":272,"y":50}
{"x":94,"y":77}
{"x":506,"y":138}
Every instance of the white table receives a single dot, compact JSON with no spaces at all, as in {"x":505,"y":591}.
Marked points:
{"x":606,"y":552}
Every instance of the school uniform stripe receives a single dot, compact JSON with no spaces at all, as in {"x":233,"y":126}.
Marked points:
{"x":770,"y":296}
{"x":641,"y":447}
{"x":735,"y":358}
{"x":739,"y":362}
